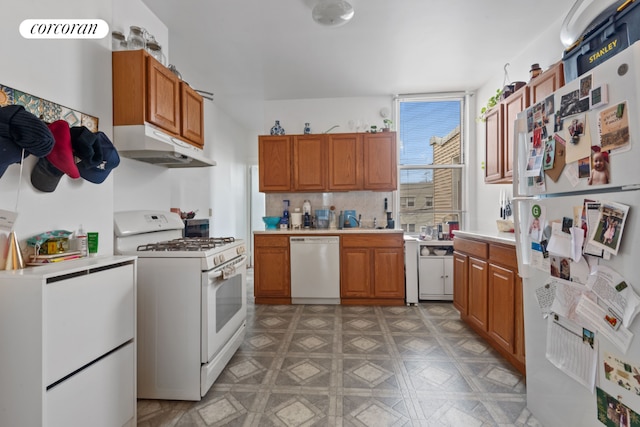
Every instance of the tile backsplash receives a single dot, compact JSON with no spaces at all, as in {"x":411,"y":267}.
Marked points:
{"x":369,"y":204}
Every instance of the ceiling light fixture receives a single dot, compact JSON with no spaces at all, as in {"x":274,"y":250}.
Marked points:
{"x":332,"y":13}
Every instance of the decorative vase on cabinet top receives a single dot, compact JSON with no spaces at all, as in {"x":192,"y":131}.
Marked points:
{"x":307,"y":129}
{"x":277,"y":129}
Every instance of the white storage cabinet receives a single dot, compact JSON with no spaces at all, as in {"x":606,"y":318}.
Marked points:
{"x":435,"y":274}
{"x":68,"y":348}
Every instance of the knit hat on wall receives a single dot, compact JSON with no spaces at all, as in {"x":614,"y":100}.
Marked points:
{"x":19,"y":129}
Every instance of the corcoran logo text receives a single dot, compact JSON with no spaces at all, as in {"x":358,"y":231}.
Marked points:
{"x":64,"y":29}
{"x":605,"y":50}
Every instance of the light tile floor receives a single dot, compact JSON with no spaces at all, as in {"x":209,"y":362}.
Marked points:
{"x":323,"y":365}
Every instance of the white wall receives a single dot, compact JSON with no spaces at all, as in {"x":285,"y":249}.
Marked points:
{"x":73,"y":73}
{"x":77,"y":74}
{"x":483,"y":198}
{"x":324,"y":113}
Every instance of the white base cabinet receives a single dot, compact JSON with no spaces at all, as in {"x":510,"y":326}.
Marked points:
{"x":435,"y":277}
{"x":68,"y":354}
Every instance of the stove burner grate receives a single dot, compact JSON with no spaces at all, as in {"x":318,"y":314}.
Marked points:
{"x":187,"y":244}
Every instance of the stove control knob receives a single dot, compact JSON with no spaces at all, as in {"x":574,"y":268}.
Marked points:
{"x":216,"y":261}
{"x":221,"y":257}
{"x":240,"y":250}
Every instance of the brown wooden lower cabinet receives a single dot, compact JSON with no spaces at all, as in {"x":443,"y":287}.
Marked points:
{"x":461,"y":285}
{"x":272,"y":270}
{"x":371,"y":269}
{"x":477,"y":282}
{"x":488,"y":294}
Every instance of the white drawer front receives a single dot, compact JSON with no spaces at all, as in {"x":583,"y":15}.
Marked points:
{"x":85,"y":317}
{"x":102,"y":395}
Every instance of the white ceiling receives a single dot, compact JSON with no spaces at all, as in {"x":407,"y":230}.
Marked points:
{"x":247,"y":51}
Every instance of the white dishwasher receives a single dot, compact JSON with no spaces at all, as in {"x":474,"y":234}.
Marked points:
{"x":315,"y":269}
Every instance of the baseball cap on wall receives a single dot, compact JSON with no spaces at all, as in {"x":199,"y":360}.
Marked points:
{"x":110,"y":160}
{"x":86,"y":147}
{"x":44,"y":176}
{"x":47,"y":172}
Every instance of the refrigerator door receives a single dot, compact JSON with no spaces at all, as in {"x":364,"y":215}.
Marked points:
{"x":617,"y":81}
{"x":553,"y":397}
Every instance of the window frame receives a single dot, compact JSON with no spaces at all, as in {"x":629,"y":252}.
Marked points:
{"x":458,"y":187}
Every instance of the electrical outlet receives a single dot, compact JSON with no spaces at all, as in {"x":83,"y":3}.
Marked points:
{"x":210,"y":211}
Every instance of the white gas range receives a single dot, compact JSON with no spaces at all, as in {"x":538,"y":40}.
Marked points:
{"x":191,"y":303}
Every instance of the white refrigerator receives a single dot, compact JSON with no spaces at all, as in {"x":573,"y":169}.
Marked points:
{"x":579,"y":373}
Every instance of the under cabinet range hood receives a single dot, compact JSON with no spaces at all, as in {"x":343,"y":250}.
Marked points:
{"x":151,"y":145}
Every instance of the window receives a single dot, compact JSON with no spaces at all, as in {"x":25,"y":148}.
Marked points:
{"x":431,"y":151}
{"x":407,"y":202}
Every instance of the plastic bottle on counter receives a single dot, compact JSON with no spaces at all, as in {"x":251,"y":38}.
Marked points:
{"x":284,"y":221}
{"x":81,"y":242}
{"x":306,"y":210}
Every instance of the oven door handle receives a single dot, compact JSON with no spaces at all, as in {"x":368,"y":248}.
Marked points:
{"x":229,"y":270}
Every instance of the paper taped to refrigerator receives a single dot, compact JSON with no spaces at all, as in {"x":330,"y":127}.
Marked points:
{"x":613,"y":291}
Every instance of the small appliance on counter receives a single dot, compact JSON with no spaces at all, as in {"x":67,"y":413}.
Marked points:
{"x":322,"y":218}
{"x":296,"y":219}
{"x":390,"y":222}
{"x":350,"y":219}
{"x":196,"y":227}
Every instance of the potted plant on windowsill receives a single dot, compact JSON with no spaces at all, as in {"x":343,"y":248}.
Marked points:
{"x":491,"y":102}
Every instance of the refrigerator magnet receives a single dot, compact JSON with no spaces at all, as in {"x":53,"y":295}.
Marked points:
{"x":599,"y":96}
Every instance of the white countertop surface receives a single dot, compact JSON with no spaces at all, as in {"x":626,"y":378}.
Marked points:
{"x":333,"y":231}
{"x":491,"y":236}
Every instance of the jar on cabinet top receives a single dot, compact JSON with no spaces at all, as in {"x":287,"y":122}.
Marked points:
{"x":154,"y":48}
{"x":136,"y":39}
{"x":118,"y":41}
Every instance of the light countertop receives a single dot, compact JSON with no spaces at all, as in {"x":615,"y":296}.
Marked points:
{"x":354,"y":230}
{"x":491,"y":236}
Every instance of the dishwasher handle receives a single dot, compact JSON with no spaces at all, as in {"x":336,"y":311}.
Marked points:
{"x":315,"y":239}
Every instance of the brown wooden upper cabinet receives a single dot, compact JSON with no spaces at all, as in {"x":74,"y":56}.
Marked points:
{"x":274,"y":167}
{"x":144,"y":90}
{"x":345,"y":165}
{"x":309,"y":163}
{"x":192,"y":119}
{"x":332,"y":162}
{"x":380,"y":165}
{"x":494,"y":162}
{"x":499,"y":130}
{"x":546,"y":83}
{"x":499,"y":137}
